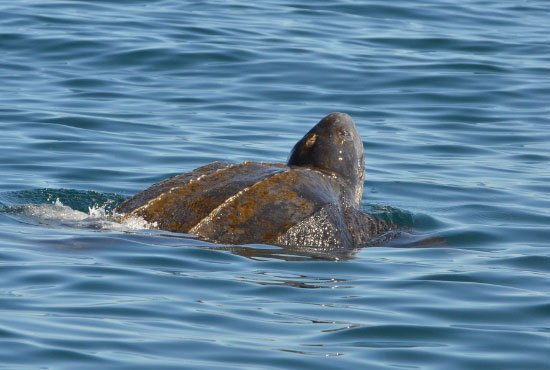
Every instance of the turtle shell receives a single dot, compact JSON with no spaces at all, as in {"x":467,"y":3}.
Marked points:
{"x":252,"y":202}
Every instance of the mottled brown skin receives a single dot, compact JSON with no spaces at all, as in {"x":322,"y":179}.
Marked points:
{"x":312,"y":200}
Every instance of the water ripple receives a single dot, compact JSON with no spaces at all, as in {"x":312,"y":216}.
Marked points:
{"x":102,"y":99}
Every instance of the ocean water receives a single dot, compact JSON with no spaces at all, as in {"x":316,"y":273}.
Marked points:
{"x":100,"y":99}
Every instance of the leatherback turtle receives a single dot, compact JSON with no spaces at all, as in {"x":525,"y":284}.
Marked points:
{"x":312,"y":200}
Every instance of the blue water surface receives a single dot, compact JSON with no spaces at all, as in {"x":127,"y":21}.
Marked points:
{"x":100,"y":99}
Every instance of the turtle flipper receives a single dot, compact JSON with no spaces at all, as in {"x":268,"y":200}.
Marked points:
{"x":341,"y":227}
{"x":362,"y":227}
{"x":326,"y":228}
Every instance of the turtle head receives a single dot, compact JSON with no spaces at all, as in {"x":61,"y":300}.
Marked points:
{"x":333,"y":145}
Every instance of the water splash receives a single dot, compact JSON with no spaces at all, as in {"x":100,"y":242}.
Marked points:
{"x":79,"y":209}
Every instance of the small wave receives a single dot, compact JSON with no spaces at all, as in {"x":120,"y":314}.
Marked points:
{"x":395,"y":216}
{"x":73,"y":212}
{"x":97,"y":217}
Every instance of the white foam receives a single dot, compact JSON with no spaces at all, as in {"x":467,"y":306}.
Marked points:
{"x":98,"y":217}
{"x":54,"y":211}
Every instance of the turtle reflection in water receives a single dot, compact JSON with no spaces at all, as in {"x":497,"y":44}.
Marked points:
{"x":312,"y":200}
